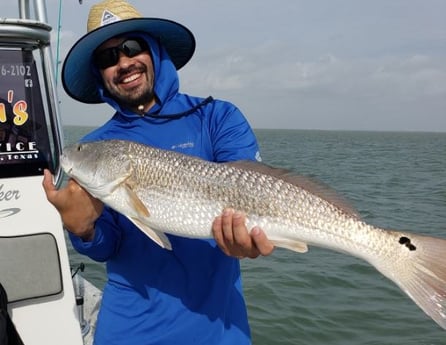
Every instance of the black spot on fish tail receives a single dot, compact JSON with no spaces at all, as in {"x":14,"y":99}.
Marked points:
{"x":406,"y":241}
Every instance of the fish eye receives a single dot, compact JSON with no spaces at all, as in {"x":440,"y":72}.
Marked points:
{"x":79,"y":148}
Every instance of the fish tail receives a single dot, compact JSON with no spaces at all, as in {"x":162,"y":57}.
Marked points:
{"x":420,"y":272}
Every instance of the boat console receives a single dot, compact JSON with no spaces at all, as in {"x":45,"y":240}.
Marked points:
{"x":34,"y":264}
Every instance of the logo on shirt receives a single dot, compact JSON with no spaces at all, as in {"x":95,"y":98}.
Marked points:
{"x":183,"y":146}
{"x":258,"y":157}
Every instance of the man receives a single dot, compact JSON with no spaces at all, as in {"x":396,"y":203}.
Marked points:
{"x":192,"y":294}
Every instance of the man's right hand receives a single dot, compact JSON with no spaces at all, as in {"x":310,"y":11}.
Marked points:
{"x":77,"y":208}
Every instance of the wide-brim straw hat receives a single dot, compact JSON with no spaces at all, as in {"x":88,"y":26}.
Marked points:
{"x":111,"y":18}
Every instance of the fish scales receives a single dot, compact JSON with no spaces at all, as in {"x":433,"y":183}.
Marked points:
{"x":162,"y":191}
{"x":212,"y":187}
{"x":249,"y":191}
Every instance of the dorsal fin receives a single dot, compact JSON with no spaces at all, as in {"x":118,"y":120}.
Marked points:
{"x":317,"y":188}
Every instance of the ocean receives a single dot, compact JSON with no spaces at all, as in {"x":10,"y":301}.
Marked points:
{"x":394,"y":180}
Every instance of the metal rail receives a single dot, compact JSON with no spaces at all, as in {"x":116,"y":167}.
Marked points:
{"x":40,"y":10}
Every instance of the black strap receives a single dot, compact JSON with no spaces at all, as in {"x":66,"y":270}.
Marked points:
{"x":184,"y":113}
{"x":8,"y":332}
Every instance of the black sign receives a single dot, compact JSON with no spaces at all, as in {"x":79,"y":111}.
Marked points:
{"x":24,"y":137}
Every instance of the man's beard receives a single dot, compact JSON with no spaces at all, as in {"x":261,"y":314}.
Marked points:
{"x":133,"y":99}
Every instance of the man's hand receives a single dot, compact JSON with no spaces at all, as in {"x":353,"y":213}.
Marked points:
{"x":233,"y":238}
{"x":77,"y":208}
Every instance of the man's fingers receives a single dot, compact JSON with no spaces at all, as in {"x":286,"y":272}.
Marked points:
{"x":233,"y":238}
{"x":226,"y":223}
{"x":240,"y":233}
{"x":263,"y":245}
{"x":47,"y":182}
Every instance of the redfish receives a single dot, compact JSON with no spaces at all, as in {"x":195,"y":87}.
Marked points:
{"x":163,"y":192}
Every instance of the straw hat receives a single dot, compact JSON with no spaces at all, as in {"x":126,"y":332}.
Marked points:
{"x":110,"y":18}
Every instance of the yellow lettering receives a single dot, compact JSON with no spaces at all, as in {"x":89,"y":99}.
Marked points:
{"x":19,"y":110}
{"x":2,"y":113}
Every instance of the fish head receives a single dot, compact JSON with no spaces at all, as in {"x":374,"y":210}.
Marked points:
{"x":98,"y":166}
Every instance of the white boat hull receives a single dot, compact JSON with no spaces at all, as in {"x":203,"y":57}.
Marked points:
{"x":24,"y":210}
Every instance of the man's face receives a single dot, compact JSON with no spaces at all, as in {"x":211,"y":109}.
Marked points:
{"x":131,"y":80}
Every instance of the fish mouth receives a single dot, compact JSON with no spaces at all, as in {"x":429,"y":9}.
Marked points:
{"x":68,"y":168}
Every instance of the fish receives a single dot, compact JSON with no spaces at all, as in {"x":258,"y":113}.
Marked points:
{"x":166,"y":192}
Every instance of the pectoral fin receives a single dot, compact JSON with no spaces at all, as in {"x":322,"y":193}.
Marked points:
{"x":124,"y":185}
{"x":135,"y":202}
{"x":158,"y":237}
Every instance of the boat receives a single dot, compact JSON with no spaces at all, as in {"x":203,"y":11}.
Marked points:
{"x":49,"y":302}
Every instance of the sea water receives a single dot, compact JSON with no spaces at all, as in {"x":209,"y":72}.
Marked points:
{"x":393,"y":180}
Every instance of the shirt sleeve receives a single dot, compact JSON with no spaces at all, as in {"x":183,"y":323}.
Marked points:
{"x":106,"y":238}
{"x":231,"y":135}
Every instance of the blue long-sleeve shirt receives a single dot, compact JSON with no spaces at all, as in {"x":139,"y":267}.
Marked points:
{"x":192,"y":294}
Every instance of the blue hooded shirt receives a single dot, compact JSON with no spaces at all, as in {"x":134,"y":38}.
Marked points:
{"x":192,"y":294}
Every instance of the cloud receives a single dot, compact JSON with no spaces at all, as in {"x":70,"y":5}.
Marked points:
{"x":304,"y":64}
{"x":251,"y":70}
{"x":329,"y":92}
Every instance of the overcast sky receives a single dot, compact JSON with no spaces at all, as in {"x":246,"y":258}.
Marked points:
{"x":300,"y":64}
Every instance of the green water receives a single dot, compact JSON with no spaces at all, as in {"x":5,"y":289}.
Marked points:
{"x":394,"y":180}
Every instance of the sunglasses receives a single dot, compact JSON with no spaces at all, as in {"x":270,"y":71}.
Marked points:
{"x":110,"y":56}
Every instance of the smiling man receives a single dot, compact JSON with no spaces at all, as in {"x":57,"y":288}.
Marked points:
{"x":128,"y":78}
{"x":193,"y":293}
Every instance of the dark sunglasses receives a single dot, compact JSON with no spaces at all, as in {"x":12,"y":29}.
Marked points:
{"x":110,"y":56}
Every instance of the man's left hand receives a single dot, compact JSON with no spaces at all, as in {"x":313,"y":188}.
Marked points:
{"x":233,"y":238}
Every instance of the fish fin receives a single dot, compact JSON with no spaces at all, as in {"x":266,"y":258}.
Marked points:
{"x":296,"y":246}
{"x":307,"y":183}
{"x":158,"y":237}
{"x":420,"y":271}
{"x":135,"y":201}
{"x":125,"y":181}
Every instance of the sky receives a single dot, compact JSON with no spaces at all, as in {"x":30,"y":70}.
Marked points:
{"x":297,"y":64}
